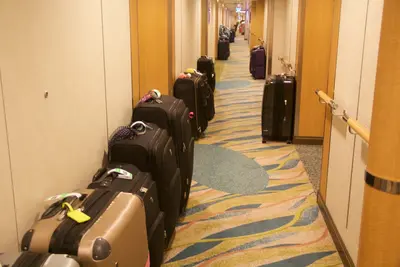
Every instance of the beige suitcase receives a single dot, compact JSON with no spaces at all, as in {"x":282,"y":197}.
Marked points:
{"x":115,"y":234}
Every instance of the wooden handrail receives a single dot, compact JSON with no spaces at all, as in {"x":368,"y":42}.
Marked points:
{"x":354,"y":126}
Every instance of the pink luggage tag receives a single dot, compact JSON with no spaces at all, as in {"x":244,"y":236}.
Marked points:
{"x":148,"y":261}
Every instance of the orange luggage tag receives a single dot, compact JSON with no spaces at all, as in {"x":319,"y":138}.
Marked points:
{"x":76,"y":215}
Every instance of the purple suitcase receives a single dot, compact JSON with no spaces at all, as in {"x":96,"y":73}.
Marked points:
{"x":258,"y":62}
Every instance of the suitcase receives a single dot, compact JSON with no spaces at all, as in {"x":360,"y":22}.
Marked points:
{"x":206,"y":65}
{"x":258,"y":63}
{"x":156,"y":248}
{"x":206,"y":91}
{"x":172,"y":114}
{"x":154,"y":151}
{"x":32,"y":259}
{"x":198,"y":97}
{"x":140,"y":183}
{"x":223,"y":49}
{"x":278,"y":109}
{"x":114,"y":234}
{"x":232,"y":36}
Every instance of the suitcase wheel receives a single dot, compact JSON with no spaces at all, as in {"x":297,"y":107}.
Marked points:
{"x":289,"y":142}
{"x":264,"y":141}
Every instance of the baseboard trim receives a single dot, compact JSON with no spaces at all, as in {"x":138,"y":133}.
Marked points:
{"x":305,"y":140}
{"x":337,"y":239}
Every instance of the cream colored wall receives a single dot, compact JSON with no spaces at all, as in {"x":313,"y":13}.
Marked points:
{"x":355,"y":84}
{"x":57,"y":143}
{"x":117,"y":60}
{"x":285,"y":16}
{"x":8,"y":231}
{"x":212,"y":29}
{"x":187,"y":34}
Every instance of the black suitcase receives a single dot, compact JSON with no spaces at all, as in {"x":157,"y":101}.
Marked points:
{"x":232,"y":36}
{"x":278,"y":109}
{"x":153,"y":151}
{"x":114,"y":178}
{"x":172,"y":114}
{"x":206,"y":65}
{"x":156,"y":248}
{"x":223,"y":49}
{"x":194,"y":90}
{"x":140,"y":183}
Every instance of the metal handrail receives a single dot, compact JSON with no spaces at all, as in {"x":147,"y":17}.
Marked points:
{"x":354,"y":126}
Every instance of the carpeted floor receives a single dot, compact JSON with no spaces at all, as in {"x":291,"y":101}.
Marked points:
{"x":237,"y":215}
{"x":311,"y":156}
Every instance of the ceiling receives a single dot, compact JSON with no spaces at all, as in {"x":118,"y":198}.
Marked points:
{"x":232,"y":4}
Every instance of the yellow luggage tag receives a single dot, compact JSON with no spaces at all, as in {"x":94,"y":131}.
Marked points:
{"x":76,"y":215}
{"x":190,"y":70}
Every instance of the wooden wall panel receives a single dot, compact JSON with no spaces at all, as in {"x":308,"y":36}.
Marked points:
{"x":155,"y":60}
{"x":330,"y":92}
{"x":314,"y":66}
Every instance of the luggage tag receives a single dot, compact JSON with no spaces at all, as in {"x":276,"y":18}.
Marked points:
{"x":76,"y":215}
{"x":122,"y":174}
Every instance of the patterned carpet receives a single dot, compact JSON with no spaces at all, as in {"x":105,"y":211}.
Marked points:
{"x":280,"y":225}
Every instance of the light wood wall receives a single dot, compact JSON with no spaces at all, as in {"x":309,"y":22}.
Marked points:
{"x":314,"y":49}
{"x":330,"y":90}
{"x":152,"y":36}
{"x":257,"y":22}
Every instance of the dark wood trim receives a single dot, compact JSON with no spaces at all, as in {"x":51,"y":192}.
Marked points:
{"x":337,"y":239}
{"x":305,"y":140}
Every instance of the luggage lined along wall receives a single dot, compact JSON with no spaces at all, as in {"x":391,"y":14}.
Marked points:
{"x":78,"y":52}
{"x":358,"y":47}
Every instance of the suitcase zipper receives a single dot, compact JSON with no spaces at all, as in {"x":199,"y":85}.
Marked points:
{"x":196,"y":85}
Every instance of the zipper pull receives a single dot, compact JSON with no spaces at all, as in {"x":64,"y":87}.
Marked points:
{"x":184,"y":147}
{"x":143,"y":190}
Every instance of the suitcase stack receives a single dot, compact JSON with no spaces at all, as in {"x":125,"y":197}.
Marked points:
{"x":278,"y":109}
{"x":135,"y":199}
{"x":138,"y":196}
{"x":258,"y":62}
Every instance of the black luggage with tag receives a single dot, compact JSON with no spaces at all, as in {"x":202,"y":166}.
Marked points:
{"x":153,"y":150}
{"x":223,"y":48}
{"x":278,"y":109}
{"x":194,"y":90}
{"x":172,"y":114}
{"x":206,"y":65}
{"x":115,"y":178}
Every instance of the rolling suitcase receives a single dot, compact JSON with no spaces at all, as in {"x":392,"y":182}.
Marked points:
{"x":198,"y":97}
{"x":172,"y":114}
{"x":128,"y":178}
{"x":278,"y":109}
{"x":223,"y":48}
{"x":156,"y":248}
{"x":258,"y":63}
{"x":32,"y":259}
{"x":232,"y":36}
{"x":100,"y":227}
{"x":153,"y":150}
{"x":206,"y":65}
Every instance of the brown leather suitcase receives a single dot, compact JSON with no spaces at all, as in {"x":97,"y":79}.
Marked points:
{"x":113,"y":236}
